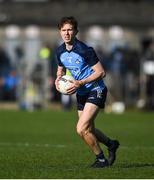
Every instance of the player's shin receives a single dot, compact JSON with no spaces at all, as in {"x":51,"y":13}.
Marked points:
{"x":101,"y":137}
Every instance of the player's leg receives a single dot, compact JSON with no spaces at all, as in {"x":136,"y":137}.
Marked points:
{"x":110,"y":143}
{"x":99,"y":99}
{"x":84,"y":129}
{"x":101,"y":137}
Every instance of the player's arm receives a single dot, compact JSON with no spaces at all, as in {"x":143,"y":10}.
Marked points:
{"x":98,"y":73}
{"x":60,"y":73}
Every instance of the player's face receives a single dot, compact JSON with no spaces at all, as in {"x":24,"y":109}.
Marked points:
{"x":67,"y":33}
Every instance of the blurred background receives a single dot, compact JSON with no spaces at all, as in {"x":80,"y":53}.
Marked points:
{"x":122,"y":33}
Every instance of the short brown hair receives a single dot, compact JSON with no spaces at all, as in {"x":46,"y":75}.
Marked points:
{"x":70,"y":20}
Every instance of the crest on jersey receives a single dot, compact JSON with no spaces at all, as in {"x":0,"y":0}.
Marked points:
{"x":77,"y":61}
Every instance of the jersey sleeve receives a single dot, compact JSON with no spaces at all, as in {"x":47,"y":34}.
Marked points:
{"x":91,"y":57}
{"x":58,"y":59}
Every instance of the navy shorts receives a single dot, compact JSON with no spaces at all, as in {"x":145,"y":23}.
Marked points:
{"x":97,"y":97}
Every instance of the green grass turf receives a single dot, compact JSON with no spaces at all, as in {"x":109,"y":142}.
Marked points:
{"x":44,"y":144}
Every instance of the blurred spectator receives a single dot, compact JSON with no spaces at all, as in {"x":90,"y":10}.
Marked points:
{"x":132,"y":61}
{"x":117,"y":71}
{"x":19,"y":53}
{"x":148,"y":56}
{"x":47,"y":53}
{"x":103,"y":56}
{"x":8,"y":86}
{"x":55,"y":95}
{"x":5,"y":65}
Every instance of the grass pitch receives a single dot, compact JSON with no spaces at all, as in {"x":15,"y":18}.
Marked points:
{"x":44,"y":145}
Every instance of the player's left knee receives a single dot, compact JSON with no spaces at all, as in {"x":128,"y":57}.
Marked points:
{"x":83,"y":131}
{"x":79,"y":131}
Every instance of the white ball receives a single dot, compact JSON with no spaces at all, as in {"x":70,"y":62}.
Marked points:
{"x":118,"y":107}
{"x":64,"y":83}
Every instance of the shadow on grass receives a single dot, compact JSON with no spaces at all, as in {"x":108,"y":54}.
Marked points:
{"x":136,"y":165}
{"x":85,"y":167}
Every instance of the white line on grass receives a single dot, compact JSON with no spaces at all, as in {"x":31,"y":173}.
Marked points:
{"x":27,"y":144}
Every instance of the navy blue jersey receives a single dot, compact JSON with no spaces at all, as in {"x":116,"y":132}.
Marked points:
{"x":79,"y":61}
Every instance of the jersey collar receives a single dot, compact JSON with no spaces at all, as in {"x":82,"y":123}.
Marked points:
{"x":74,"y":45}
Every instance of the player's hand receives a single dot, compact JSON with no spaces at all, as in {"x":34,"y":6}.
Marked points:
{"x":74,"y":86}
{"x":57,"y":82}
